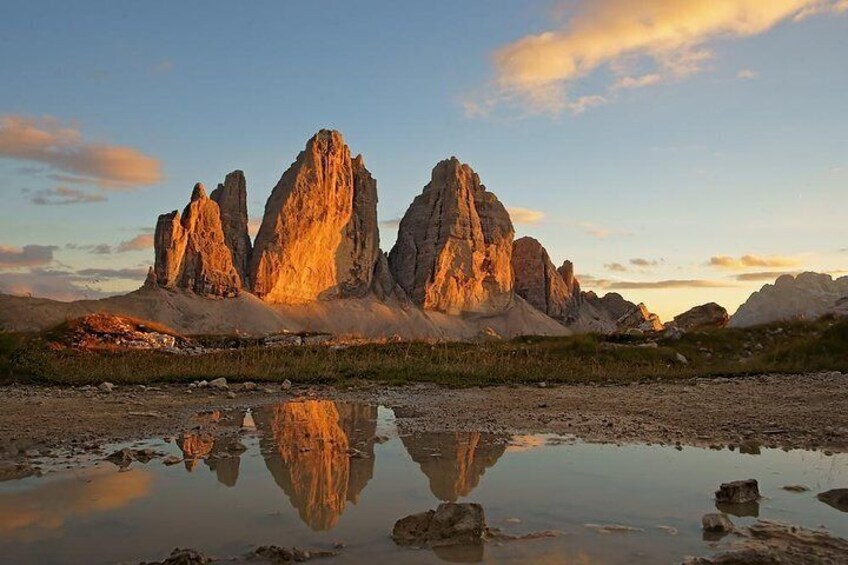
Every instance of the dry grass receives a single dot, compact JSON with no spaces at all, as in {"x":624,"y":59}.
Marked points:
{"x":783,"y":348}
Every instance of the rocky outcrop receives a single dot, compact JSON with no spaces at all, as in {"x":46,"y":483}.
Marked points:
{"x":566,"y":271}
{"x":231,"y":197}
{"x":806,"y":297}
{"x":191,"y":251}
{"x":319,"y":237}
{"x":709,"y":315}
{"x":639,"y":318}
{"x":537,"y":281}
{"x":454,"y":245}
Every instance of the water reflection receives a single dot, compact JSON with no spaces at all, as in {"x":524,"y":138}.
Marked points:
{"x":33,"y":514}
{"x":321,"y":453}
{"x":454,"y":462}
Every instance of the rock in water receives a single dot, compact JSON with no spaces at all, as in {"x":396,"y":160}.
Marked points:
{"x":231,"y":197}
{"x":454,"y":245}
{"x":450,"y":524}
{"x":709,"y":315}
{"x":838,"y":498}
{"x":537,"y":281}
{"x":738,"y":492}
{"x":319,"y":237}
{"x":191,"y":252}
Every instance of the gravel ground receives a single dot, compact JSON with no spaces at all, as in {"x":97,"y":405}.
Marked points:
{"x":789,"y":411}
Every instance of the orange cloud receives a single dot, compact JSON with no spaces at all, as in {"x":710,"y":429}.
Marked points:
{"x":762,"y":276}
{"x":666,"y":38}
{"x":525,"y":215}
{"x":748,"y":261}
{"x":47,"y":141}
{"x":606,"y":284}
{"x":138,"y":243}
{"x":615,"y":267}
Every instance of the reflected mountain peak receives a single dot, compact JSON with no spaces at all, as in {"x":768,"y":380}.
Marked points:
{"x":307,"y":447}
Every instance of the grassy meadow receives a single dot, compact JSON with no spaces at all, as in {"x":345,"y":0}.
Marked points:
{"x":794,"y":347}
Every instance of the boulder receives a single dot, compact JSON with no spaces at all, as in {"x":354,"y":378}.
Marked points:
{"x":454,"y":245}
{"x":450,"y":524}
{"x":709,"y":315}
{"x":806,"y":297}
{"x":191,"y":252}
{"x":537,"y":280}
{"x":319,"y":237}
{"x":231,"y":197}
{"x":837,"y":498}
{"x":717,"y":523}
{"x":738,"y":492}
{"x":639,"y":318}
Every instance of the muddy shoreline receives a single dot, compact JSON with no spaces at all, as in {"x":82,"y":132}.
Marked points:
{"x":786,"y":411}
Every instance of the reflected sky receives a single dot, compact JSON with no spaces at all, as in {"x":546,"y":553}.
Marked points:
{"x":313,"y":473}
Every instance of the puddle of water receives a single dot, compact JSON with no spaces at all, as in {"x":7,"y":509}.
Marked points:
{"x":315,"y":473}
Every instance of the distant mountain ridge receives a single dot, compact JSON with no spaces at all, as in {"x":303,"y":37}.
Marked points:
{"x":807,"y":296}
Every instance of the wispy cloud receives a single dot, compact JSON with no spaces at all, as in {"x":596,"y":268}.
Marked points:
{"x":253,"y":225}
{"x":163,"y":66}
{"x":138,"y":243}
{"x":615,"y":267}
{"x":665,"y":39}
{"x":46,"y":140}
{"x":64,"y":284}
{"x":644,"y":263}
{"x":391,"y":223}
{"x":746,"y":74}
{"x":95,"y":248}
{"x":599,"y":231}
{"x":26,"y":256}
{"x":62,"y":195}
{"x":607,"y":284}
{"x":749,"y":261}
{"x":762,"y":276}
{"x":525,"y":215}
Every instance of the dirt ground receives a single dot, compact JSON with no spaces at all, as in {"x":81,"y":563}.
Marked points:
{"x":791,"y":411}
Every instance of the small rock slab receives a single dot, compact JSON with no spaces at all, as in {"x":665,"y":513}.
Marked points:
{"x":450,"y":524}
{"x":738,"y":492}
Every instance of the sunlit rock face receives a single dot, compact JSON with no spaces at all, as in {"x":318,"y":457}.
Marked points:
{"x":195,"y":447}
{"x":231,"y":197}
{"x":537,"y":280}
{"x":454,"y":245}
{"x":308,"y":448}
{"x":454,"y":462}
{"x":319,"y":236}
{"x":191,"y":251}
{"x":806,"y":297}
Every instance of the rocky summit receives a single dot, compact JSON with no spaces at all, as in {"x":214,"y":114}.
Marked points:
{"x":454,"y":245}
{"x":231,"y":197}
{"x":319,"y":237}
{"x":191,"y":250}
{"x":537,"y":280}
{"x":805,"y":297}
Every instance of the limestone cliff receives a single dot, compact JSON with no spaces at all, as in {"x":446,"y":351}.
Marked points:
{"x":319,"y":237}
{"x":231,"y":197}
{"x":537,"y":281}
{"x":454,"y":245}
{"x":191,"y":251}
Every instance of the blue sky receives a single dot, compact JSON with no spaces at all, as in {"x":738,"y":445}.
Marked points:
{"x":742,"y":153}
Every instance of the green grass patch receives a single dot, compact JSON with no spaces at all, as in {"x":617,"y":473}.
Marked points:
{"x":778,"y":348}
